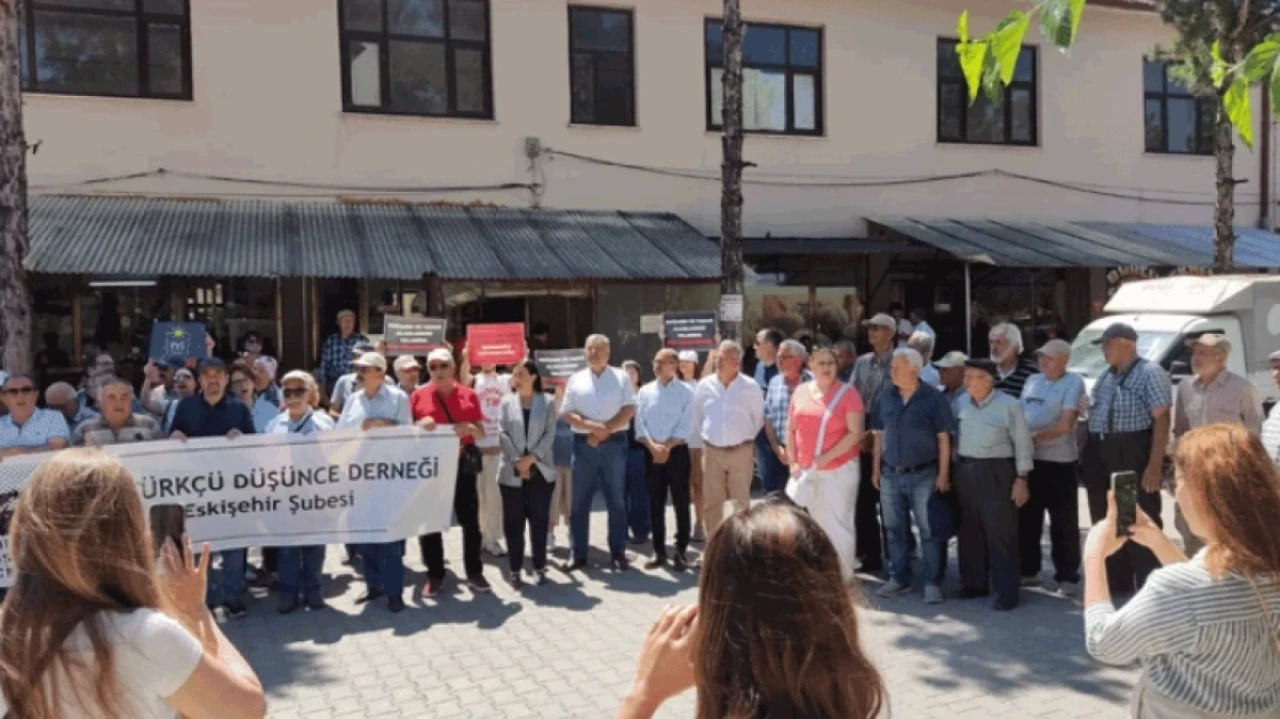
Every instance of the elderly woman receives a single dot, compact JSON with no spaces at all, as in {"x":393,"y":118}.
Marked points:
{"x":825,"y":426}
{"x":1206,"y":630}
{"x":298,"y":568}
{"x":526,"y":469}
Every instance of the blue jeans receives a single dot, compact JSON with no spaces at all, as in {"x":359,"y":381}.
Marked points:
{"x":229,"y":584}
{"x":298,"y":571}
{"x":637,"y":495}
{"x":604,"y":468}
{"x":384,"y":567}
{"x":901,"y":496}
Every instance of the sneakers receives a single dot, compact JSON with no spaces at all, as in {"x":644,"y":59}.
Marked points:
{"x":236,"y":609}
{"x":432,"y":588}
{"x":1069,"y":589}
{"x":893,"y":589}
{"x":495,"y":549}
{"x":932,"y":594}
{"x":479,"y":584}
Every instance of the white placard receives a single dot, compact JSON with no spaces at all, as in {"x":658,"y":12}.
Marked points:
{"x":730,"y":308}
{"x":650,"y":324}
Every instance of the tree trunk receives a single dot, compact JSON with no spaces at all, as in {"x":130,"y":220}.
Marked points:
{"x":731,"y":165}
{"x":15,"y":295}
{"x":1224,"y":206}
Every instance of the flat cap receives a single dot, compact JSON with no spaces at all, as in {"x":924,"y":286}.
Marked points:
{"x":985,"y":365}
{"x":1119,"y":330}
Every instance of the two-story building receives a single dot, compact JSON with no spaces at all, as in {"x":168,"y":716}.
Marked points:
{"x":262,"y":165}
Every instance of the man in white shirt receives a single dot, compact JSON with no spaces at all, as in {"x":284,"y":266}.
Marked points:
{"x":664,"y":423}
{"x":728,"y":413}
{"x":491,"y":386}
{"x":599,"y":403}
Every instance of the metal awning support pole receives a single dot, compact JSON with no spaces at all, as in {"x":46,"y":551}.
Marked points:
{"x":968,"y":310}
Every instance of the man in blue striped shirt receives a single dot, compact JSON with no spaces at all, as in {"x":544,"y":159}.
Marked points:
{"x":335,"y":354}
{"x":774,"y":465}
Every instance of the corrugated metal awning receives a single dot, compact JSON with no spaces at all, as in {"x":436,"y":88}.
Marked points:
{"x":145,"y":237}
{"x":1055,"y":243}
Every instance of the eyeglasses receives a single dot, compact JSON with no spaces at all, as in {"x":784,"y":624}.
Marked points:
{"x":15,"y":391}
{"x":366,"y":370}
{"x":438,"y":367}
{"x":296,"y":392}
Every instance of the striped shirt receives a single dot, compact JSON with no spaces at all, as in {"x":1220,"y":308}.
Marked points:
{"x":777,"y":402}
{"x":1013,"y":382}
{"x":1203,"y":641}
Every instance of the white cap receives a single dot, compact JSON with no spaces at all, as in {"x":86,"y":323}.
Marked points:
{"x":1055,"y":348}
{"x":951,"y":360}
{"x":404,"y":361}
{"x":440,"y":354}
{"x":881,"y":320}
{"x":371,"y":359}
{"x":688,"y":356}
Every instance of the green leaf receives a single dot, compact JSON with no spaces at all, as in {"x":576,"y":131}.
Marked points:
{"x":1260,"y":61}
{"x":1238,"y":105}
{"x":1275,"y":90}
{"x":972,"y":57}
{"x":1218,"y":71}
{"x":962,"y":27}
{"x":1006,"y":43}
{"x":1060,"y":20}
{"x":992,"y":85}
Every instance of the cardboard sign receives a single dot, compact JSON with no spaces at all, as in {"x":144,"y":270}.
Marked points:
{"x":178,"y":339}
{"x":731,"y":308}
{"x":495,"y":344}
{"x":690,"y":330}
{"x":413,"y":335}
{"x":557,"y":366}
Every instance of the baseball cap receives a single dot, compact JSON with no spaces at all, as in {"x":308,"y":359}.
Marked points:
{"x":881,"y":320}
{"x":209,"y":363}
{"x":951,"y":360}
{"x":1119,"y":330}
{"x":1211,"y":339}
{"x":1054,"y":348}
{"x":687,"y":356}
{"x":361,"y":348}
{"x":440,"y":354}
{"x":371,"y":359}
{"x":404,"y":361}
{"x":985,"y":365}
{"x":1274,"y":356}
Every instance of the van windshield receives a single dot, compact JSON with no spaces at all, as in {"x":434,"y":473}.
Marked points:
{"x":1087,"y":359}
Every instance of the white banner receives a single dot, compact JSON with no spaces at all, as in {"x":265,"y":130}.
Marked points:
{"x":340,"y":486}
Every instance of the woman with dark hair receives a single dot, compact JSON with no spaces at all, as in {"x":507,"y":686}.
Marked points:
{"x":774,"y":634}
{"x":526,"y":469}
{"x":1207,"y":629}
{"x":89,"y":630}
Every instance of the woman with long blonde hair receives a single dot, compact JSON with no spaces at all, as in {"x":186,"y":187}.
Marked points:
{"x":774,"y":634}
{"x":89,"y":630}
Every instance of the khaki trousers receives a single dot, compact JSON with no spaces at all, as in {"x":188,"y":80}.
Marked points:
{"x":490,"y":502}
{"x":726,"y":475}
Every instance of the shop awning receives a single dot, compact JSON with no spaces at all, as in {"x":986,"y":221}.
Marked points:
{"x":1049,"y":243}
{"x":149,"y":237}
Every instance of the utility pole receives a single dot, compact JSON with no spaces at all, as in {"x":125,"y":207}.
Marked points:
{"x":731,"y":164}
{"x":15,"y":294}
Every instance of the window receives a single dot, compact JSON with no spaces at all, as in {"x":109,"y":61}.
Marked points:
{"x":601,"y":74}
{"x":416,"y":57}
{"x":1175,"y":120}
{"x":781,"y":79}
{"x":1011,"y":121}
{"x":114,"y":48}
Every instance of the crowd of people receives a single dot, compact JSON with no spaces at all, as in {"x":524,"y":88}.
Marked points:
{"x":867,"y":460}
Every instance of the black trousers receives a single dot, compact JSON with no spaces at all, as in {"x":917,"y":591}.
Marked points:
{"x":988,"y":527}
{"x":866,"y":518}
{"x":466,"y":506}
{"x":1053,"y":487}
{"x":1127,"y":569}
{"x":270,"y":559}
{"x":527,"y":505}
{"x":671,"y":478}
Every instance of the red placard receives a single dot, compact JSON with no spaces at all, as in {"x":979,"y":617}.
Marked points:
{"x":495,"y":344}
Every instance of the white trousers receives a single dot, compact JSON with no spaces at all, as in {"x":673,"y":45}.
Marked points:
{"x":832,"y":507}
{"x":490,"y":501}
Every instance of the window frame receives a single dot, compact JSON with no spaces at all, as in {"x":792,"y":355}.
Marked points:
{"x":142,"y":21}
{"x":385,"y":37}
{"x":630,"y":56}
{"x":1163,"y":98}
{"x":819,"y":79}
{"x":1032,"y":85}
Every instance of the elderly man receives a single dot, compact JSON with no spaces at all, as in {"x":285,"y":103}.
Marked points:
{"x":372,"y":405}
{"x":870,"y":377}
{"x":951,"y":377}
{"x":119,"y":424}
{"x":408,"y":373}
{"x":336,"y":353}
{"x":1128,"y":431}
{"x":664,"y":424}
{"x":1215,"y":394}
{"x":777,"y":401}
{"x":27,"y":428}
{"x":345,"y":385}
{"x":912,"y":449}
{"x":62,"y":397}
{"x":213,"y":413}
{"x":1050,"y":404}
{"x":994,"y":460}
{"x":101,"y":366}
{"x":599,"y":403}
{"x":923,"y":342}
{"x":728,"y":413}
{"x":1005,"y":342}
{"x":846,"y":355}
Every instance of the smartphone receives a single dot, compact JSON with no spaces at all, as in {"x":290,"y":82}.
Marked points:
{"x":1125,"y":486}
{"x":168,"y":521}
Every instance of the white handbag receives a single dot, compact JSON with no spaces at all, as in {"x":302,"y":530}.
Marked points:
{"x":803,"y":489}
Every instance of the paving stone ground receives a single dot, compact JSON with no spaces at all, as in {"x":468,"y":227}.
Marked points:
{"x":568,"y":650}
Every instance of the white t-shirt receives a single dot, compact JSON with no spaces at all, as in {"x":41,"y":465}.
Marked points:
{"x":490,"y":389}
{"x":154,"y":656}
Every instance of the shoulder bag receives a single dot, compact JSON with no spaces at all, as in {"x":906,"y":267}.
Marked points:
{"x":802,"y":489}
{"x":470,"y":461}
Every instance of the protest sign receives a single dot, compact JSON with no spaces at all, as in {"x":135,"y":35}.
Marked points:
{"x":412,"y":335}
{"x":177,"y":339}
{"x":495,"y":344}
{"x":690,"y":330}
{"x":557,"y":366}
{"x":337,"y":487}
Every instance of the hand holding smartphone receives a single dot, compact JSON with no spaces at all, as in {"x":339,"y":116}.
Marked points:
{"x":1125,"y":487}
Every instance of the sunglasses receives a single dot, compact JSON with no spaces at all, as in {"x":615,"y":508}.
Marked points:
{"x":15,"y":391}
{"x":295,"y":392}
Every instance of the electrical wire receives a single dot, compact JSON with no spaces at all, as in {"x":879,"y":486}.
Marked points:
{"x":291,"y":184}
